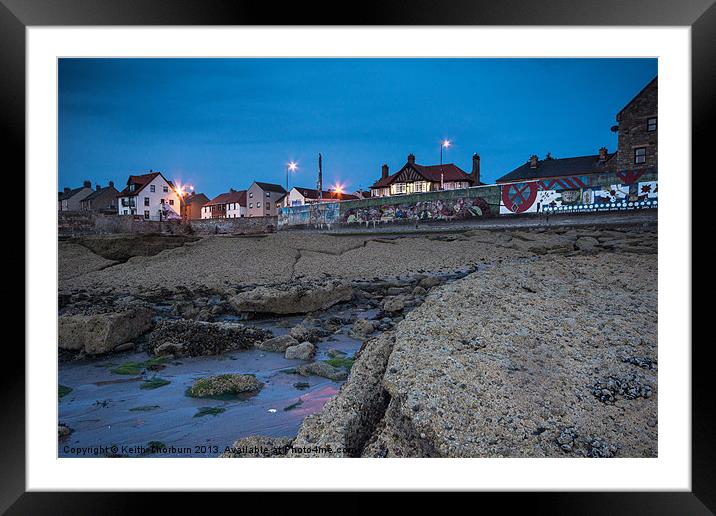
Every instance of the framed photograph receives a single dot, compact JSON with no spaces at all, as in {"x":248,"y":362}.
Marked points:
{"x":427,"y":248}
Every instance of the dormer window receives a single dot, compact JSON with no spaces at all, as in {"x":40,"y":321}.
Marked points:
{"x":132,"y":187}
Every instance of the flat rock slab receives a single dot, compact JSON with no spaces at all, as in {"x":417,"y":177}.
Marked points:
{"x":102,"y":332}
{"x":292,"y":299}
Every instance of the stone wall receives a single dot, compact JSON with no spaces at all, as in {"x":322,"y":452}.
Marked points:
{"x":78,"y":223}
{"x":613,"y":191}
{"x":234,"y":226}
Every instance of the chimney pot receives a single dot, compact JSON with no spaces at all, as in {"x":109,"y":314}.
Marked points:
{"x":111,"y":184}
{"x":384,"y":171}
{"x":411,"y":158}
{"x":97,"y":187}
{"x":533,"y":161}
{"x":476,"y":168}
{"x":87,"y":184}
{"x":67,"y":189}
{"x":603,"y":154}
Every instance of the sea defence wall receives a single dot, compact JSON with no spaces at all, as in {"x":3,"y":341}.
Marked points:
{"x":611,"y":191}
{"x":79,"y":223}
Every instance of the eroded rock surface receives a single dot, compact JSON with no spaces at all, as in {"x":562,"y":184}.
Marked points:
{"x":97,"y":333}
{"x":292,"y":299}
{"x":182,"y":338}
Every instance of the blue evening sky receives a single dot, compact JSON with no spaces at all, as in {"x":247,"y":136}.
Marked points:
{"x":221,"y":123}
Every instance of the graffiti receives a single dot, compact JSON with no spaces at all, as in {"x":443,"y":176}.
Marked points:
{"x":571,"y":194}
{"x":423,"y":211}
{"x":316,"y":215}
{"x":519,"y":197}
{"x":602,"y":192}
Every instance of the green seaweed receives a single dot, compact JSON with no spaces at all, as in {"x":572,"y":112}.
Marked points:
{"x":206,"y":411}
{"x":345,"y":363}
{"x":144,"y":408}
{"x":134,"y":368}
{"x":63,"y":390}
{"x":154,"y":383}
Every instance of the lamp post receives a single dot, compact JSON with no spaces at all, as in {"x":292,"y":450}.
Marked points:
{"x":291,"y":167}
{"x":443,"y":145}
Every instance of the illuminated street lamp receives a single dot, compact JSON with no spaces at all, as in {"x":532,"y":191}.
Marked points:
{"x":443,"y":145}
{"x":291,"y":167}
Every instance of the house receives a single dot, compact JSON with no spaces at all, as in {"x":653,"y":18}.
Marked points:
{"x":414,"y":178}
{"x":229,"y":205}
{"x":636,"y":151}
{"x":101,"y":200}
{"x":570,"y":171}
{"x":264,"y":199}
{"x":637,"y":130}
{"x":151,"y":196}
{"x":193,"y":204}
{"x":300,"y":196}
{"x":69,"y":199}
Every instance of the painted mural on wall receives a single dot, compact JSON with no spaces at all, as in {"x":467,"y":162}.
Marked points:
{"x":581,"y":194}
{"x":434,"y":206}
{"x":310,"y":215}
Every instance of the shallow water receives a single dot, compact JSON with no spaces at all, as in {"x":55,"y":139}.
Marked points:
{"x":98,"y":408}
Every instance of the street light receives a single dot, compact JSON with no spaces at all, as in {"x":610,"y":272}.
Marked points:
{"x":443,"y":145}
{"x":291,"y":167}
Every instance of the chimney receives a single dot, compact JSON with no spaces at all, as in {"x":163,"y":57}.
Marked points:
{"x":111,"y":184}
{"x":97,"y":187}
{"x":67,"y":189}
{"x":533,"y":161}
{"x":411,"y":158}
{"x":87,"y":184}
{"x":384,"y":171}
{"x":603,"y":154}
{"x":476,"y":168}
{"x":232,"y":190}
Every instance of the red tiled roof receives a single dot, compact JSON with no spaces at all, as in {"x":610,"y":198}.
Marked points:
{"x":449,"y":171}
{"x":229,"y":197}
{"x":141,"y":182}
{"x":312,"y":193}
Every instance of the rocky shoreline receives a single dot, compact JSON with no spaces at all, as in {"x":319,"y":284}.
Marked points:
{"x":520,"y":343}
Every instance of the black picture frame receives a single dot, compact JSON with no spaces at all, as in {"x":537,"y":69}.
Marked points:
{"x":17,"y":15}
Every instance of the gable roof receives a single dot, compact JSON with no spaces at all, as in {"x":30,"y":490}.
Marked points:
{"x":63,"y":196}
{"x":449,"y":172}
{"x":141,"y":181}
{"x":97,"y":193}
{"x":619,"y":115}
{"x":229,"y":197}
{"x":312,"y":193}
{"x":198,"y":198}
{"x":560,"y":167}
{"x":270,"y":187}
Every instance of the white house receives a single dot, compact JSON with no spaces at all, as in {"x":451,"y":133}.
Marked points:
{"x":299,"y":196}
{"x":69,"y":199}
{"x":151,"y":196}
{"x":263,"y":199}
{"x":229,"y":205}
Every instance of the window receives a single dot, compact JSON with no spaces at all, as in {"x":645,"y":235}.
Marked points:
{"x":640,"y":155}
{"x":146,"y":214}
{"x":152,"y":188}
{"x":126,"y":212}
{"x":251,"y":195}
{"x":651,"y":124}
{"x":171,"y":202}
{"x":268,"y":194}
{"x":251,"y":205}
{"x":146,"y":201}
{"x":258,"y":204}
{"x":132,"y":188}
{"x":165,"y":188}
